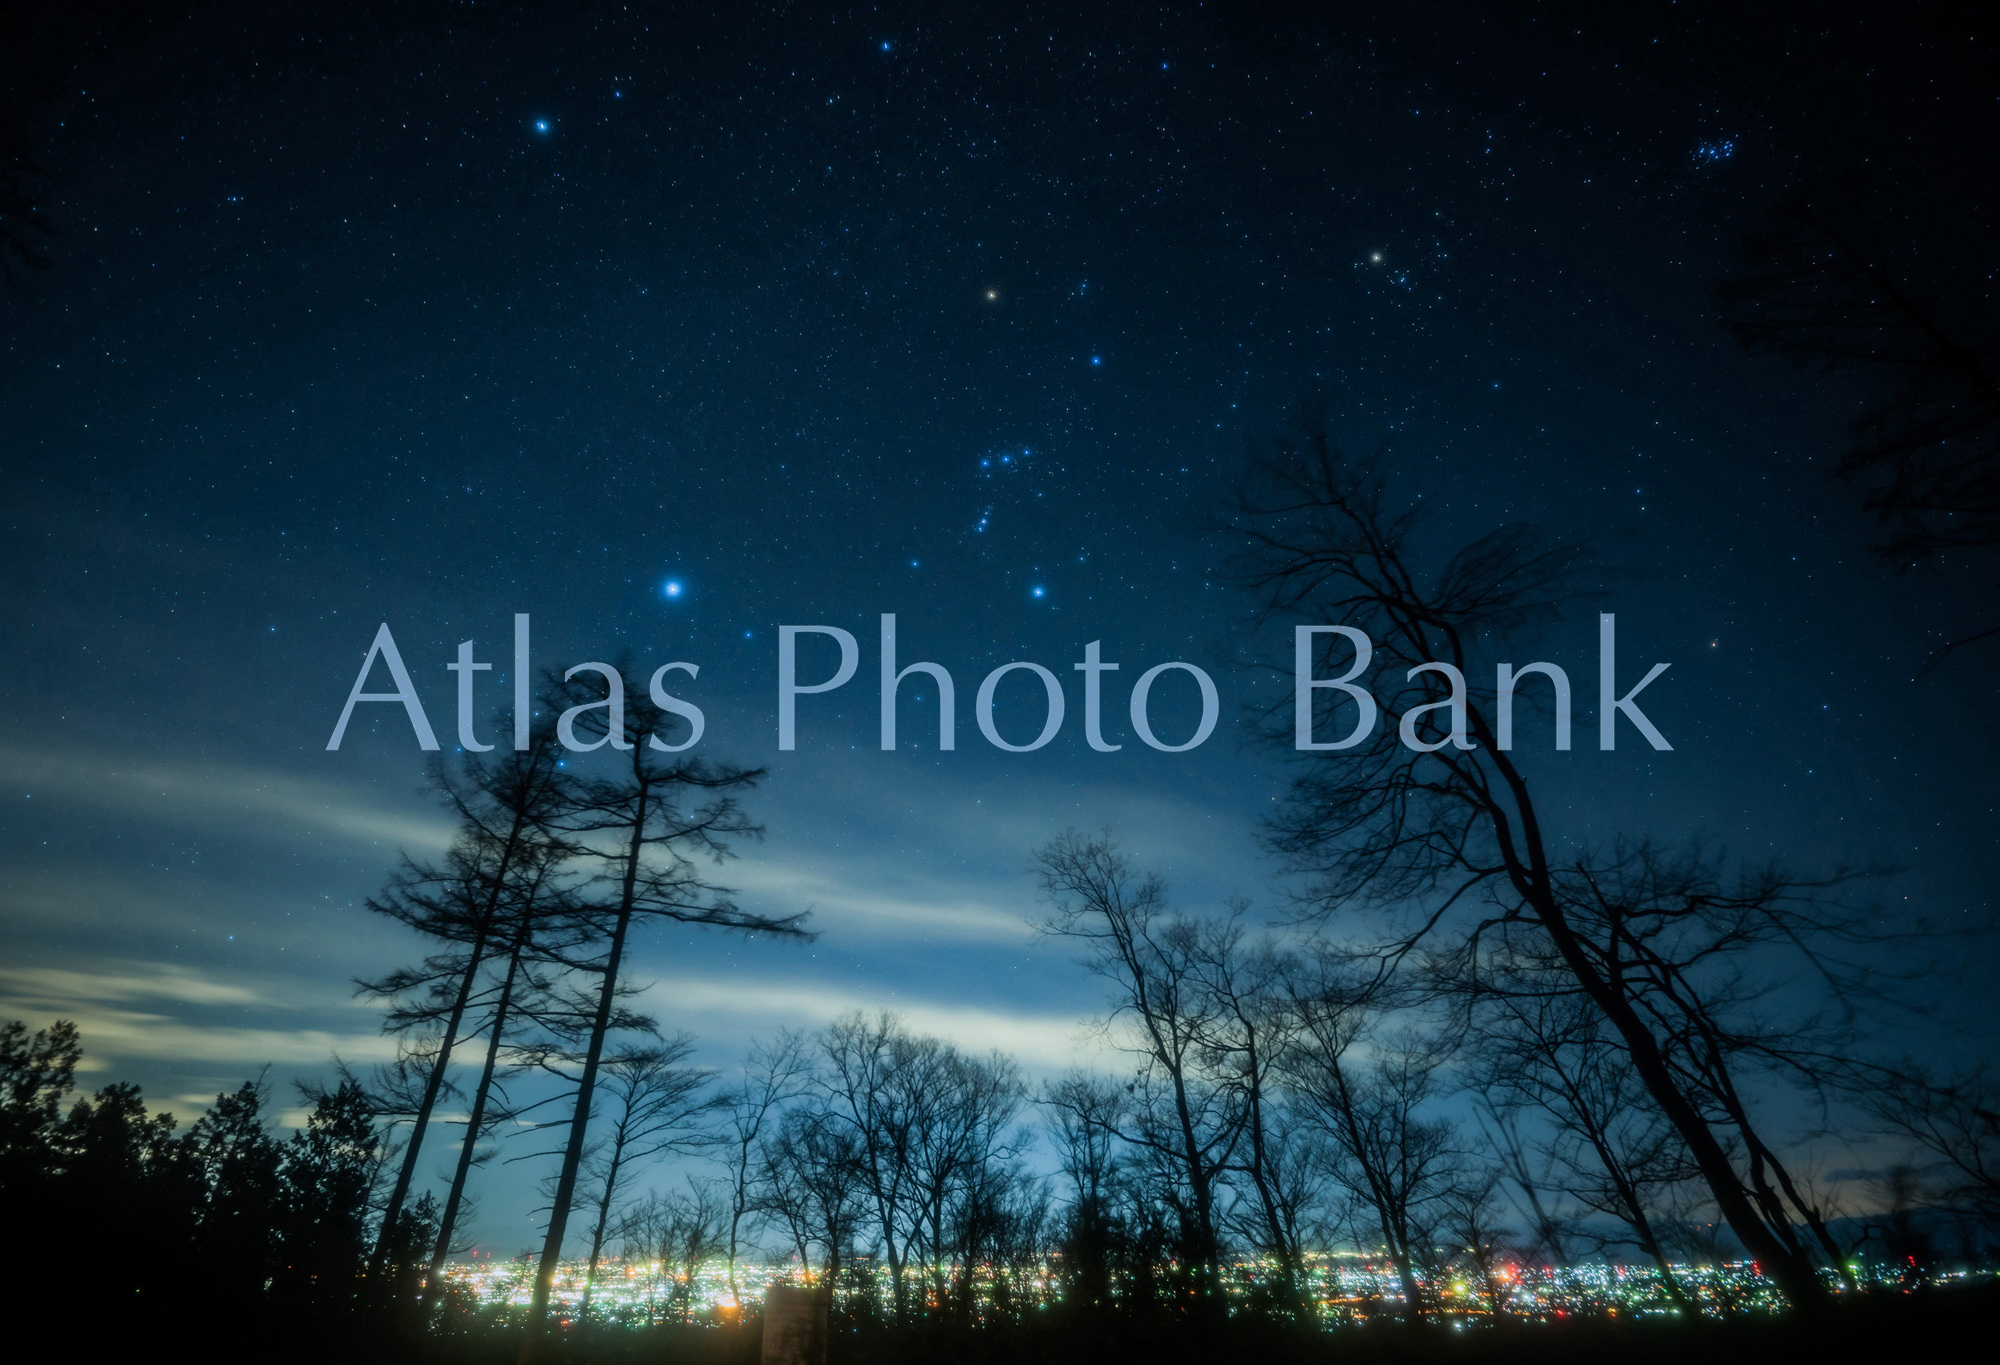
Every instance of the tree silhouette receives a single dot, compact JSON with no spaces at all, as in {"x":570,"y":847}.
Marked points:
{"x":657,"y":1106}
{"x":1375,"y":1103}
{"x":1826,"y":282}
{"x":644,"y":827}
{"x":469,"y":903}
{"x":1189,"y":1119}
{"x":1435,"y":831}
{"x":1611,"y":1150}
{"x":809,"y":1181}
{"x":773,"y":1075}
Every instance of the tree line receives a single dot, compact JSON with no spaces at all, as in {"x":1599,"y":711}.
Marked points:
{"x":1470,"y":1041}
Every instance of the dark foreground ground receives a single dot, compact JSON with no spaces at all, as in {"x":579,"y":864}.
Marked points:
{"x":1932,"y":1326}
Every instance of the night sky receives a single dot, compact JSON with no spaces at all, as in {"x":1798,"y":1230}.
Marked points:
{"x":668,"y":327}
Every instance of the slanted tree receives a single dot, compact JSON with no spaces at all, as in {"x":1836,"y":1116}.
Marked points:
{"x":1433,"y":831}
{"x":644,"y":824}
{"x":1609,"y":1148}
{"x":540,"y":926}
{"x":504,"y":809}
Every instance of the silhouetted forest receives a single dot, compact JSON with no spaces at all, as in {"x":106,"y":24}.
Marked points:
{"x":1471,"y":1059}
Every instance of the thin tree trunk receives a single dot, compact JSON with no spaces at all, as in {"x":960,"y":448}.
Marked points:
{"x":1792,"y":1273}
{"x":406,"y":1175}
{"x":447,"y":1224}
{"x":545,"y":1271}
{"x":603,"y":1220}
{"x":735,"y":1222}
{"x":1531,"y":877}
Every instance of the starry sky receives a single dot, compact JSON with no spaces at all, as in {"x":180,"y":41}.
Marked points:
{"x":668,"y":326}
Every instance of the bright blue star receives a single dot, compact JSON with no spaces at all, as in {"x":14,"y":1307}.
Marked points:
{"x":1097,"y":360}
{"x":1038,"y":592}
{"x":541,"y":125}
{"x":672,"y":588}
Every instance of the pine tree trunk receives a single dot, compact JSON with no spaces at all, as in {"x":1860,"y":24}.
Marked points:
{"x":435,"y":1081}
{"x":406,"y":1173}
{"x":545,"y":1272}
{"x":603,"y":1221}
{"x":477,"y":1119}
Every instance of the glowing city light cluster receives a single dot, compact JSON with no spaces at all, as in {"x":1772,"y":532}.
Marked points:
{"x":1347,"y":1287}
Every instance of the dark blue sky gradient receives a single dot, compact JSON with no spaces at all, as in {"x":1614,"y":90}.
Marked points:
{"x":433,"y":316}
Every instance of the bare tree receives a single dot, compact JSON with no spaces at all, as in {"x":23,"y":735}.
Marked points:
{"x":773,"y":1075}
{"x":1431,"y":824}
{"x":927,"y":1126}
{"x":1000,"y":1235}
{"x":645,"y":835}
{"x":1825,"y":282}
{"x":865,"y":1095}
{"x":1476,"y":1243}
{"x":1610,"y":1150}
{"x":503,"y":810}
{"x":672,"y":1236}
{"x":1085,"y":1110}
{"x":647,"y":1234}
{"x":1179,"y":1114}
{"x":958,"y":1152}
{"x":811,"y":1181}
{"x":1397,"y":1160}
{"x":1550,"y":1235}
{"x":1241,"y":1041}
{"x":657,"y":1106}
{"x":1952,"y":1126}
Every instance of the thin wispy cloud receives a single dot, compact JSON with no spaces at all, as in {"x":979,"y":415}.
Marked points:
{"x":58,"y":988}
{"x":212,"y":795}
{"x":1040,"y":1042}
{"x":111,"y":1036}
{"x":841,"y":901}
